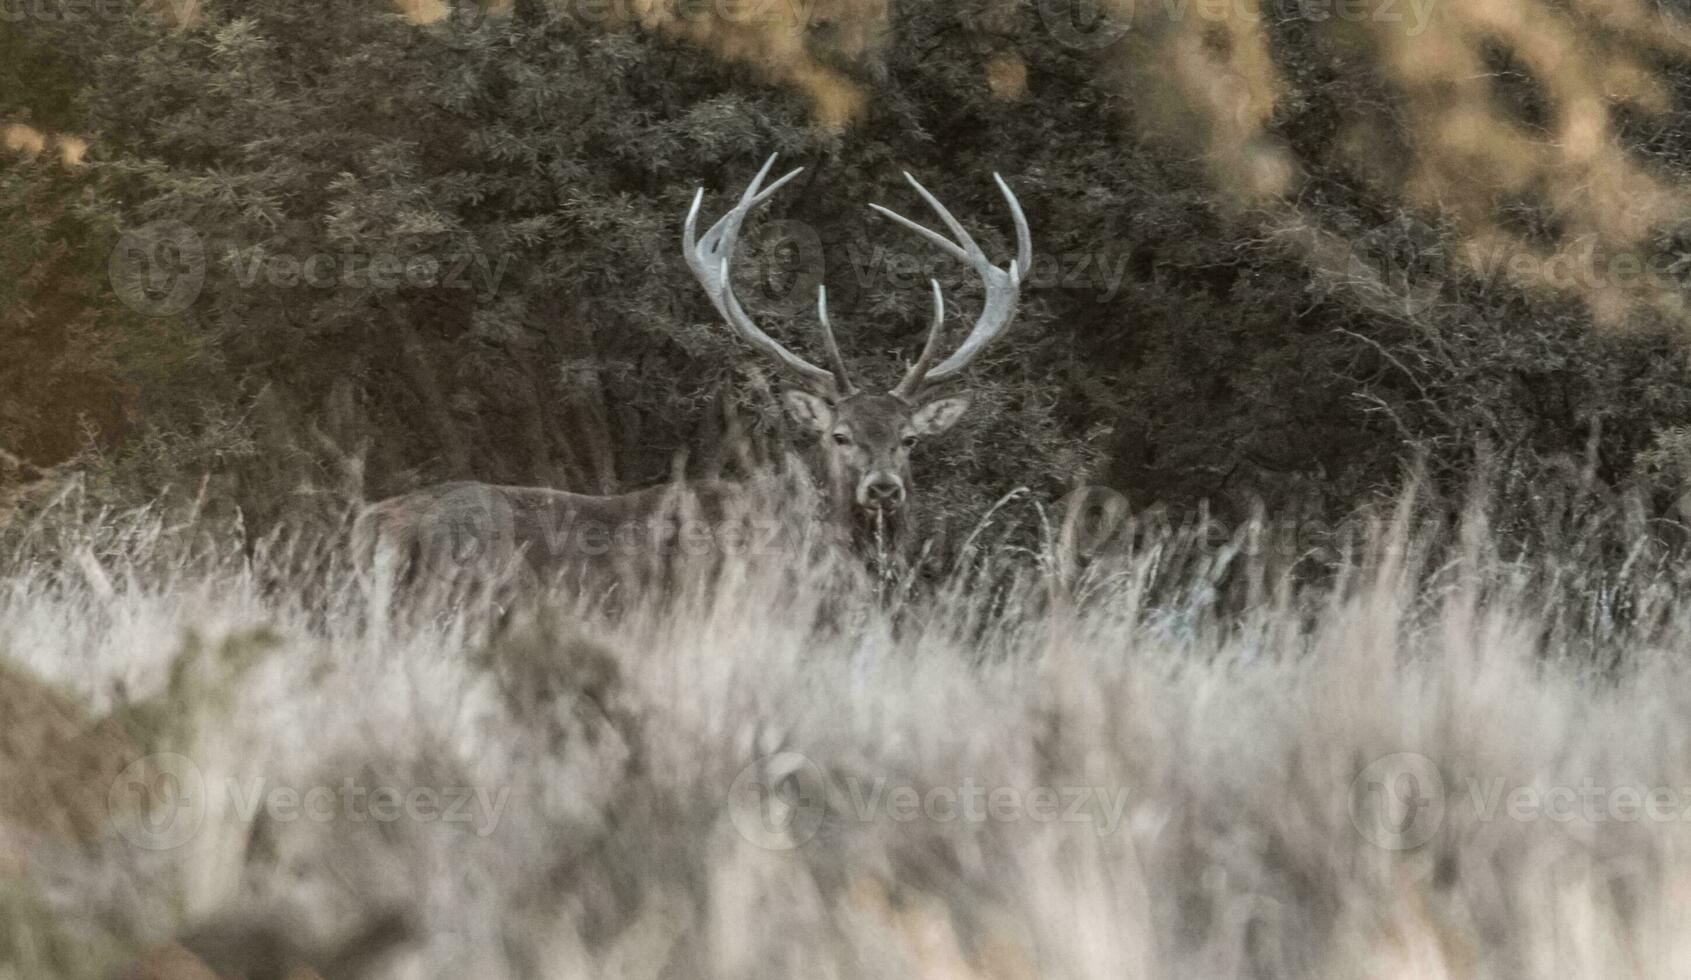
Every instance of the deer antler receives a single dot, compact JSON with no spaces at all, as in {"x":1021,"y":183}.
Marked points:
{"x":913,"y":379}
{"x":1003,"y":288}
{"x":709,"y":258}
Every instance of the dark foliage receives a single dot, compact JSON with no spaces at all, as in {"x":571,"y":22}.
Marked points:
{"x":453,"y":252}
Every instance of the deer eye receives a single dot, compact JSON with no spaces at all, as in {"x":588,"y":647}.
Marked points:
{"x":841,"y":439}
{"x":910,"y":442}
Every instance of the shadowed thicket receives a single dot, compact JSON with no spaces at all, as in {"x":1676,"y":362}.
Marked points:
{"x":1276,"y":255}
{"x":712,"y":787}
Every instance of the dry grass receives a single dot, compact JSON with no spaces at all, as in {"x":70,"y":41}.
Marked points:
{"x":1222,"y":724}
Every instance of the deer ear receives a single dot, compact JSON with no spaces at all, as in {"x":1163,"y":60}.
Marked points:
{"x":809,"y":409}
{"x":940,"y":414}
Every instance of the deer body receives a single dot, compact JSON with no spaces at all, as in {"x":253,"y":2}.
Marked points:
{"x":864,"y":439}
{"x":449,"y":527}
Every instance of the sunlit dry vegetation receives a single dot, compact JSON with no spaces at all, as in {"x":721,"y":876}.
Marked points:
{"x":1233,"y":722}
{"x":1499,"y":119}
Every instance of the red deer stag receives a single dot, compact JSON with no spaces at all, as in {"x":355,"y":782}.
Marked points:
{"x":865,"y":437}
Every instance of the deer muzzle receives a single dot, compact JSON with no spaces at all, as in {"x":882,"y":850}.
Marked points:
{"x":880,"y":491}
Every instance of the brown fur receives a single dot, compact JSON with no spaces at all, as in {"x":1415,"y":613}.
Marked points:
{"x":589,"y":541}
{"x":867,"y":438}
{"x":595,"y":541}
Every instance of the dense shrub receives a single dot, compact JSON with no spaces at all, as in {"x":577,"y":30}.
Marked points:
{"x":1187,"y":338}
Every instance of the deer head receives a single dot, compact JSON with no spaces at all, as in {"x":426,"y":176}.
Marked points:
{"x":866,"y":438}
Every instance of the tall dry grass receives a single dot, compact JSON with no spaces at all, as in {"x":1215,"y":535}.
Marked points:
{"x":1280,"y":773}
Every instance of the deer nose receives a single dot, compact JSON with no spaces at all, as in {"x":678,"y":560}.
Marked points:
{"x":883,"y":491}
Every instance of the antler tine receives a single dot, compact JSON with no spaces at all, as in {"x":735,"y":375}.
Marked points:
{"x":739,"y":211}
{"x":723,"y":236}
{"x":842,"y":377}
{"x":963,"y":249}
{"x":956,"y":227}
{"x":726,"y":232}
{"x":1003,"y":287}
{"x":709,"y":259}
{"x":1024,"y":238}
{"x":945,"y":244}
{"x":913,"y":379}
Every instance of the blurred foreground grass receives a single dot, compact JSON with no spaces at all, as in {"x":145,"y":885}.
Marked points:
{"x":1399,"y":751}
